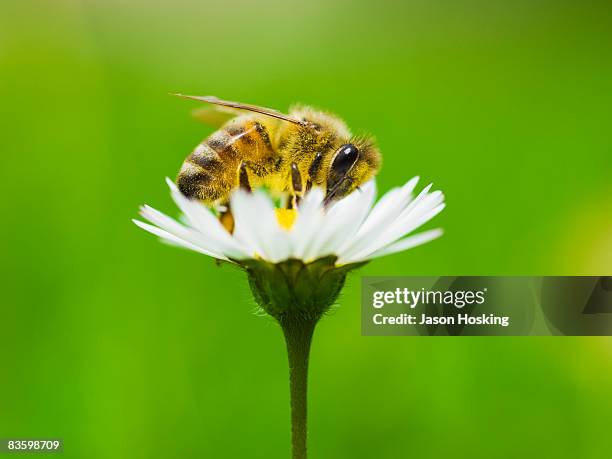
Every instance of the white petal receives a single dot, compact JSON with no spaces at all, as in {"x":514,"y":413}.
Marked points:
{"x":401,"y":230}
{"x":357,"y":215}
{"x":389,"y":207}
{"x":386,"y":212}
{"x":309,"y":219}
{"x":340,"y":222}
{"x":256,"y":226}
{"x":382,"y":215}
{"x":200,"y":217}
{"x":416,"y":214}
{"x":403,"y":244}
{"x":166,"y":236}
{"x":186,"y":234}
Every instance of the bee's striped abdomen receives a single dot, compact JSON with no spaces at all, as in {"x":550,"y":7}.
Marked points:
{"x":198,"y":172}
{"x":211,"y":171}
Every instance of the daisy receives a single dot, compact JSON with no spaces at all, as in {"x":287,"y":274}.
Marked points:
{"x":352,"y":230}
{"x":297,"y":259}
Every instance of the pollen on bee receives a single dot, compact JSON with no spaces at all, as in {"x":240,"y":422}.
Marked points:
{"x":286,"y":217}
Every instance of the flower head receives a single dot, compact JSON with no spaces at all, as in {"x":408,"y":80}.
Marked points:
{"x":352,"y":230}
{"x":297,"y":259}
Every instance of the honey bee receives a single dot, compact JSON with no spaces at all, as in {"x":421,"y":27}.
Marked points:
{"x":288,"y":154}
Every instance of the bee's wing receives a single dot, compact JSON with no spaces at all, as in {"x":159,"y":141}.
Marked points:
{"x":215,"y":116}
{"x":250,"y":108}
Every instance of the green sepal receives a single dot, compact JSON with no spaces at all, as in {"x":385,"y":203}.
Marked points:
{"x":292,"y":286}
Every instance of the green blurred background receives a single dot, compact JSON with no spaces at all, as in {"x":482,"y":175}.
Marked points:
{"x":127,"y":348}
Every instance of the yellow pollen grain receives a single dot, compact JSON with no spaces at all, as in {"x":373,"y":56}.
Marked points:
{"x":286,"y":217}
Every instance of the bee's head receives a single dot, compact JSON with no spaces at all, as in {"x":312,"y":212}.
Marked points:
{"x":351,"y":165}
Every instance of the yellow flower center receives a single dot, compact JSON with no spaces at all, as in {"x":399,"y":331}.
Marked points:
{"x":286,"y":217}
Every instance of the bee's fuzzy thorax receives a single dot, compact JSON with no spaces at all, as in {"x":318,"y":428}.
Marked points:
{"x":323,"y":120}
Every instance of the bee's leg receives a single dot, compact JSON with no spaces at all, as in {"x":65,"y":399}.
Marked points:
{"x":227,"y":219}
{"x":225,"y":216}
{"x":243,"y":177}
{"x":296,"y":186}
{"x":313,"y":170}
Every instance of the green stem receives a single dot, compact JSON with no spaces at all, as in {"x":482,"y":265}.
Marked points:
{"x":298,"y":336}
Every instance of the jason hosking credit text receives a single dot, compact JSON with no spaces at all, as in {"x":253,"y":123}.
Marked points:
{"x":414,"y":298}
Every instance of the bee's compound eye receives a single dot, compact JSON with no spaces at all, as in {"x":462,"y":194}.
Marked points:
{"x":345,"y":158}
